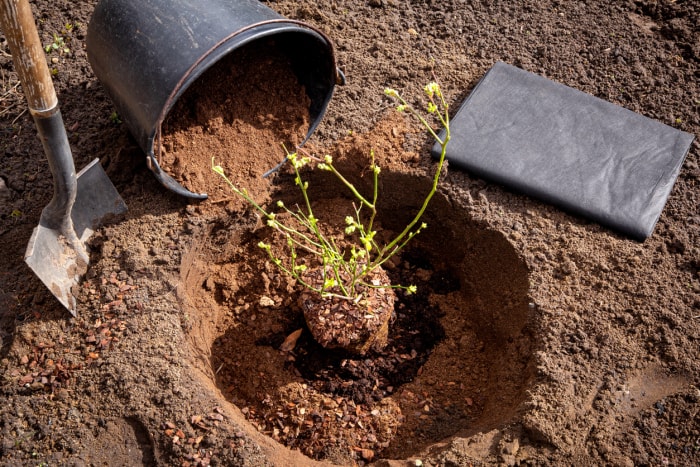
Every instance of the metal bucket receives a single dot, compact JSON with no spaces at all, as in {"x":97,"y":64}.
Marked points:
{"x":146,"y":53}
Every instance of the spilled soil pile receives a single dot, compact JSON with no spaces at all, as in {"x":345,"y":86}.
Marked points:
{"x":240,"y":113}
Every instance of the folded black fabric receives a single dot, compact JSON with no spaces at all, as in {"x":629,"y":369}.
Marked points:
{"x":568,"y":148}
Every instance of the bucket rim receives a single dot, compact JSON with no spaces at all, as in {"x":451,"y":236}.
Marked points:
{"x":196,"y":70}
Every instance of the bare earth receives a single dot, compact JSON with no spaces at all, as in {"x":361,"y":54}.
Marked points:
{"x":536,"y":338}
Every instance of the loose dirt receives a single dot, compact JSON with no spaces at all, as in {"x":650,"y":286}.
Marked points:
{"x":536,"y":337}
{"x":241,"y":113}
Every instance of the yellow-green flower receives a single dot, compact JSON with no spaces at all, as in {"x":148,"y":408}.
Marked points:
{"x":391,"y":93}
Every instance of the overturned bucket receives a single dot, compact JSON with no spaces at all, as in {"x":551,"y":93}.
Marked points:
{"x":146,"y":53}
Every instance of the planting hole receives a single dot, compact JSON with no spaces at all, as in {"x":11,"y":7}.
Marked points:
{"x":458,"y":360}
{"x":459,"y":352}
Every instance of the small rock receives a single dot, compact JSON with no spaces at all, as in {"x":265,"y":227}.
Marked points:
{"x":376,"y":3}
{"x":291,"y":341}
{"x":4,"y":191}
{"x":511,"y":448}
{"x":329,"y":404}
{"x":266,"y":302}
{"x":367,"y":454}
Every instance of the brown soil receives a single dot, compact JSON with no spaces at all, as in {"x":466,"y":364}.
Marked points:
{"x":536,"y":337}
{"x":251,"y":97}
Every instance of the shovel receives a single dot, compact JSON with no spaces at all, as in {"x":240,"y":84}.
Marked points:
{"x":56,"y":252}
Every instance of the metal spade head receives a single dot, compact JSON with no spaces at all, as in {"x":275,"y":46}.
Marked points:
{"x":58,"y":256}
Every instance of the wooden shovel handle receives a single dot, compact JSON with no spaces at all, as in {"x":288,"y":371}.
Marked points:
{"x":17,"y":22}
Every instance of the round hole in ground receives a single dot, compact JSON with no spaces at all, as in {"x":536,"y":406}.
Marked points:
{"x":459,"y":359}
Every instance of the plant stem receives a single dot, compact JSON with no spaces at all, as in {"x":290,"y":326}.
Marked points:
{"x":436,"y":178}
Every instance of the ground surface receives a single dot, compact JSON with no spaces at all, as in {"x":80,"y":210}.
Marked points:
{"x":564,"y":343}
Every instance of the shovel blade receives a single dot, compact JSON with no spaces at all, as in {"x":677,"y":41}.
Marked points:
{"x":96,"y":201}
{"x":59,"y":262}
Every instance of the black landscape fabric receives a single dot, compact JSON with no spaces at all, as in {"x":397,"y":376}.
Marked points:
{"x":568,"y":148}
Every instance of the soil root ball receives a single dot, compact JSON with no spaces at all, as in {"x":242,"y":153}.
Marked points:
{"x":354,"y":326}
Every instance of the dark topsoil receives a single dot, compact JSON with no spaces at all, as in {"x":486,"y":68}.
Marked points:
{"x":541,"y":338}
